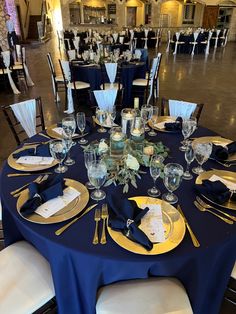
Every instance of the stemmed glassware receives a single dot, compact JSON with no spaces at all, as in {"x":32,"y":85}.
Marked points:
{"x":154,"y":118}
{"x":202,"y":153}
{"x":97,"y":173}
{"x":81,"y":123}
{"x":101,"y":116}
{"x":89,"y":158}
{"x":58,"y":151}
{"x":155,"y":170}
{"x":189,"y":157}
{"x":172,"y":178}
{"x":146,"y":113}
{"x":69,"y":126}
{"x":188,"y":127}
{"x":112,"y":115}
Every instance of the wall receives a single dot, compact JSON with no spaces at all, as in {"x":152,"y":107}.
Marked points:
{"x":23,"y":12}
{"x":3,"y":31}
{"x":140,"y":10}
{"x":35,"y":7}
{"x":171,"y":8}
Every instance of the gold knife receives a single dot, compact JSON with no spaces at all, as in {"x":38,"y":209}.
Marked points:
{"x":192,"y":235}
{"x":62,"y":229}
{"x":27,"y":174}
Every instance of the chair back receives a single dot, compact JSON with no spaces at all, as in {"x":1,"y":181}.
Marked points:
{"x":114,"y":75}
{"x":71,"y":54}
{"x":118,"y":98}
{"x":50,"y":64}
{"x":65,"y":69}
{"x":25,"y":117}
{"x":179,"y":108}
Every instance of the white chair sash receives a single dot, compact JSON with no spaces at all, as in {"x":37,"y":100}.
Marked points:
{"x":208,"y":43}
{"x":138,"y":53}
{"x":177,"y":34}
{"x":6,"y":60}
{"x":155,"y":63}
{"x":66,"y":70}
{"x":115,"y":37}
{"x":18,"y":52}
{"x":76,"y":42}
{"x":217,"y":37}
{"x":25,"y":113}
{"x":195,"y":35}
{"x":28,"y":78}
{"x":71,"y":54}
{"x":105,"y":99}
{"x":121,"y":40}
{"x":178,"y":108}
{"x":146,"y":32}
{"x":111,"y":69}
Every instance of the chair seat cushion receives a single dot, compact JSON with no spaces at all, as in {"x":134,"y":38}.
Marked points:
{"x":78,"y":85}
{"x":149,"y":296}
{"x":140,"y":82}
{"x":233,"y":274}
{"x":18,"y":67}
{"x":26,"y":281}
{"x":109,"y":85}
{"x":59,"y":78}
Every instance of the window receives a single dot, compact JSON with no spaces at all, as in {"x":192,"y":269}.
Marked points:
{"x":188,"y":14}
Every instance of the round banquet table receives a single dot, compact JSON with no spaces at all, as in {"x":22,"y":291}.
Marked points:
{"x":79,"y":268}
{"x":92,"y":75}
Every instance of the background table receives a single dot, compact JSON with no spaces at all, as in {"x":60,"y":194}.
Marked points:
{"x":79,"y":268}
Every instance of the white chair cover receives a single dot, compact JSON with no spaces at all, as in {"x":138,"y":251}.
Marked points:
{"x":111,"y":69}
{"x":115,"y":37}
{"x":178,"y":108}
{"x":71,"y":54}
{"x":66,"y":70}
{"x":105,"y":99}
{"x":6,"y":60}
{"x":28,"y":78}
{"x":25,"y":113}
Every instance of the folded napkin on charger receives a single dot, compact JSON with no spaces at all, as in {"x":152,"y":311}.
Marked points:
{"x":40,"y":193}
{"x":216,"y":191}
{"x":222,"y":153}
{"x":174,"y":126}
{"x":39,"y":150}
{"x":125,"y":216}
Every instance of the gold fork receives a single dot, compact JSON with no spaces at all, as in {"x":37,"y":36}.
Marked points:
{"x":35,"y":143}
{"x":204,"y":204}
{"x":104,"y":217}
{"x":97,"y":218}
{"x":39,"y":179}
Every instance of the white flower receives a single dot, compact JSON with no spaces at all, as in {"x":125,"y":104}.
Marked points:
{"x":102,"y":147}
{"x":132,"y":163}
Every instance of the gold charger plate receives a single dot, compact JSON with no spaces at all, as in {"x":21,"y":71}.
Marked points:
{"x":162,"y":119}
{"x":227,"y":175}
{"x":52,"y":133}
{"x":217,"y":140}
{"x":26,"y":167}
{"x":69,"y":211}
{"x":173,"y":224}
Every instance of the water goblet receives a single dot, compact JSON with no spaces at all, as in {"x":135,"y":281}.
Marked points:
{"x":146,"y":113}
{"x":189,"y":157}
{"x":154,"y":118}
{"x":202,"y":153}
{"x":97,"y":173}
{"x":89,"y":158}
{"x":155,"y":170}
{"x":172,"y":179}
{"x":69,"y":126}
{"x":101,"y":116}
{"x":81,"y":123}
{"x":58,"y":151}
{"x":188,"y":127}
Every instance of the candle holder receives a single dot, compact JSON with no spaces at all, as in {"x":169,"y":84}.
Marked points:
{"x":117,"y":142}
{"x":128,"y":115}
{"x":137,"y":133}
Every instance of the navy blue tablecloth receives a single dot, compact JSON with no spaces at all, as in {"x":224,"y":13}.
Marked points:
{"x":79,"y":268}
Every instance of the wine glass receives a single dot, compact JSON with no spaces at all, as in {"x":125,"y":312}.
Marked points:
{"x":172,"y":178}
{"x":58,"y":151}
{"x":81,"y":123}
{"x":155,"y":170}
{"x":89,"y":157}
{"x":188,"y":127}
{"x":189,"y":157}
{"x":202,"y":153}
{"x":68,"y":126}
{"x":97,"y":173}
{"x":154,"y":118}
{"x":101,"y":116}
{"x":146,"y":113}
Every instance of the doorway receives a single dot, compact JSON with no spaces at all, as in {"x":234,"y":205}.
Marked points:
{"x":131,"y":16}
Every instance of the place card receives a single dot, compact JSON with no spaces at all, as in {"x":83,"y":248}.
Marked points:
{"x":35,"y":160}
{"x":152,"y":223}
{"x":230,"y":185}
{"x":161,"y":125}
{"x":60,"y":131}
{"x":52,"y":206}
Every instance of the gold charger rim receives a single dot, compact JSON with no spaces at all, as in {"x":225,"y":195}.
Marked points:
{"x":225,"y":175}
{"x":24,"y":167}
{"x":162,"y":119}
{"x":217,"y":140}
{"x":71,"y":210}
{"x":53,"y":134}
{"x":158,"y":248}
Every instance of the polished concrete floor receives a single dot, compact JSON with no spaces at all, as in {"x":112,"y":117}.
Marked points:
{"x":209,"y":80}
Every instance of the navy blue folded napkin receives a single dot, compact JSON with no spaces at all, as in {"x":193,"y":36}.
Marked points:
{"x":39,"y":150}
{"x":125,"y":216}
{"x":174,"y":126}
{"x":40,"y":193}
{"x":215,"y":191}
{"x":222,"y":153}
